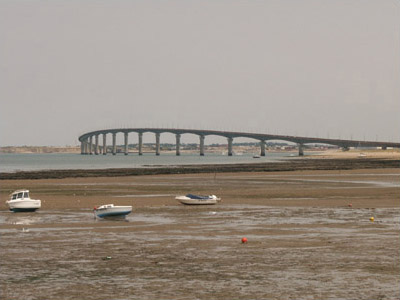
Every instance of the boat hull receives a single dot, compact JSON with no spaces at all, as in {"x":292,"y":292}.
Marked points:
{"x":23,"y":209}
{"x":188,"y":201}
{"x":116,"y":211}
{"x":24,"y":205}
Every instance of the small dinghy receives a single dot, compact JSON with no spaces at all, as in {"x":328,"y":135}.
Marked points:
{"x":21,"y":202}
{"x":191,"y":199}
{"x":111,"y":210}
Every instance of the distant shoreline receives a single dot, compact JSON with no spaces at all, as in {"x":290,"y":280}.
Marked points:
{"x":295,"y":164}
{"x":38,"y":149}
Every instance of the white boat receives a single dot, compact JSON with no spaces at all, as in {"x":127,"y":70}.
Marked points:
{"x":111,"y":210}
{"x":21,"y":202}
{"x":190,"y":199}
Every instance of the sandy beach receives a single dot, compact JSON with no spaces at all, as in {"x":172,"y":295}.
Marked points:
{"x":309,"y":237}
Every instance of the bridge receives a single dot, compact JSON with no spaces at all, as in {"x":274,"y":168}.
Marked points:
{"x":90,"y":140}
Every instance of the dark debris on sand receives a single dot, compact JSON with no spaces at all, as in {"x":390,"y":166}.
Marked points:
{"x":287,"y":165}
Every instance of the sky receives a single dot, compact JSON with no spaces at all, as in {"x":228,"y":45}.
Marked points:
{"x":317,"y":68}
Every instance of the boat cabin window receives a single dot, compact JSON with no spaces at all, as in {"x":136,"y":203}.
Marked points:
{"x":20,"y":195}
{"x":26,"y":195}
{"x":14,"y":196}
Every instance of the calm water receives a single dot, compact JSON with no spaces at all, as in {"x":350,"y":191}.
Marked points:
{"x":34,"y":162}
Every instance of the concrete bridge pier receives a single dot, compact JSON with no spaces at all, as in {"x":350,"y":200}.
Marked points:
{"x":96,"y":144}
{"x":86,"y":146}
{"x":301,"y":149}
{"x":230,"y":151}
{"x":202,"y":137}
{"x":104,"y":144}
{"x":178,"y":144}
{"x":262,"y":146}
{"x":140,"y":134}
{"x":126,"y":142}
{"x":91,"y":145}
{"x":114,"y":143}
{"x":157,"y":143}
{"x":82,"y":147}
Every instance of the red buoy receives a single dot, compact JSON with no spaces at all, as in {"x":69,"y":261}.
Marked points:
{"x":350,"y":205}
{"x":244,"y":240}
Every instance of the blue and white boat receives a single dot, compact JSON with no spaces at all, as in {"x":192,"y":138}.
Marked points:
{"x":191,"y":199}
{"x":111,"y":210}
{"x":21,"y":202}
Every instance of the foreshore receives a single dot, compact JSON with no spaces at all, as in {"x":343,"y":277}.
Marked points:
{"x":142,"y":187}
{"x":308,"y":224}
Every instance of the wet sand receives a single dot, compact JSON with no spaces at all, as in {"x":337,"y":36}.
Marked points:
{"x":304,"y":241}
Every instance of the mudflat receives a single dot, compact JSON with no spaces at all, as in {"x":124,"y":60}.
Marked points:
{"x":310,"y":236}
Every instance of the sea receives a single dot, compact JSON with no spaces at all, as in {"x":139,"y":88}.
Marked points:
{"x":12,"y":162}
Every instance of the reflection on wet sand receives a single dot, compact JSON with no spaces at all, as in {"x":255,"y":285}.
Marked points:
{"x":154,"y":248}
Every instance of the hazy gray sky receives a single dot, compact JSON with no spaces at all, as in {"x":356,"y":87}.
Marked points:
{"x":300,"y":67}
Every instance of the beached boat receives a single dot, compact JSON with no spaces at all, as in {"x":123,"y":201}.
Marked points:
{"x":111,"y":210}
{"x":21,"y":202}
{"x":191,"y":199}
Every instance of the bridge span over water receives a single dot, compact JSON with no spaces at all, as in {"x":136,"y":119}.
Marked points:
{"x":90,"y":140}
